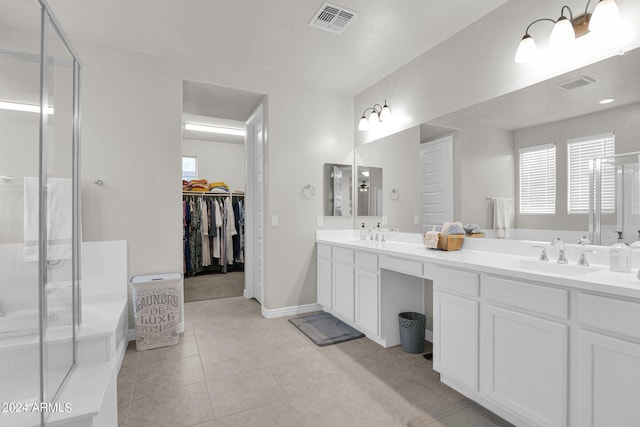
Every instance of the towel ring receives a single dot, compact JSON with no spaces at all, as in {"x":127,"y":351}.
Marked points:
{"x":308,"y":191}
{"x":395,"y":194}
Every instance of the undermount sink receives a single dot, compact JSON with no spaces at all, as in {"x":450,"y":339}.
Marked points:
{"x":555,"y":268}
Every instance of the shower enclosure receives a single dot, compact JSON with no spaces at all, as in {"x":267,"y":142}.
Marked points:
{"x":626,"y":169}
{"x":39,"y":215}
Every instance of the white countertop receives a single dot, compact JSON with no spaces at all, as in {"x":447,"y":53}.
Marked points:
{"x":517,"y":259}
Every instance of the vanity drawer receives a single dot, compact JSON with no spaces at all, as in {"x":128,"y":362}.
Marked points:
{"x":541,"y":299}
{"x":413,"y":268}
{"x":343,"y":255}
{"x":324,"y":250}
{"x":367,"y":260}
{"x":614,"y":315}
{"x":462,"y":282}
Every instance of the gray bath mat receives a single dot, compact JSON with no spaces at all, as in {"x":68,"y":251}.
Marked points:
{"x":324,"y":329}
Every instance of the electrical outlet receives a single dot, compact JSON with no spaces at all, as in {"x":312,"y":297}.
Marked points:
{"x":385,"y":220}
{"x":416,"y":220}
{"x":275,"y":221}
{"x":320,"y":221}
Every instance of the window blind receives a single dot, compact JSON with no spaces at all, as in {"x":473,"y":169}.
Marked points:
{"x":538,"y":179}
{"x":580,"y":151}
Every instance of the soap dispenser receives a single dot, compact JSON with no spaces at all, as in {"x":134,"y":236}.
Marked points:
{"x":620,"y":256}
{"x":363,"y":233}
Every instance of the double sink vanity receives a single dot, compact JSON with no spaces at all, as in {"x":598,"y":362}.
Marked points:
{"x":538,"y":343}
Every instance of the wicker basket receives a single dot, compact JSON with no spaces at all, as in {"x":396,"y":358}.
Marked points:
{"x":452,"y":242}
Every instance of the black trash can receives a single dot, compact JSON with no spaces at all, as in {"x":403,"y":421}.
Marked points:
{"x":412,"y":326}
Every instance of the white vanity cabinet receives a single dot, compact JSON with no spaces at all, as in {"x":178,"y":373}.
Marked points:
{"x":367,"y":305}
{"x":324,"y":274}
{"x":608,"y":361}
{"x":456,"y":325}
{"x":525,"y":349}
{"x":343,"y":284}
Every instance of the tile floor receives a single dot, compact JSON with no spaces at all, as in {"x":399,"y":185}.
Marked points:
{"x":234,"y":368}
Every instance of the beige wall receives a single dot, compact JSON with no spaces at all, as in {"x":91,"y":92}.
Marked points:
{"x":218,"y":161}
{"x":398,"y":156}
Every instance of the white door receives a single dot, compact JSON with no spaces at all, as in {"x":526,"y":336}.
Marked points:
{"x":254,"y":267}
{"x":436,"y":160}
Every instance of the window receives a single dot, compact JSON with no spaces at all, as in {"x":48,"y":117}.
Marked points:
{"x":538,"y":179}
{"x":189,"y":168}
{"x":580,"y":151}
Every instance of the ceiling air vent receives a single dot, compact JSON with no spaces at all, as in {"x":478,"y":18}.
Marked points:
{"x":331,"y":17}
{"x":577,"y":82}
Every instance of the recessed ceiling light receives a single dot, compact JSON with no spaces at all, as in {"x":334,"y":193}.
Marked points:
{"x":214,"y":129}
{"x":607,"y":101}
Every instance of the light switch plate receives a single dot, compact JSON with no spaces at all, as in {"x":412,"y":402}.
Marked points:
{"x":385,"y":220}
{"x":416,"y":220}
{"x":320,"y":221}
{"x":275,"y":221}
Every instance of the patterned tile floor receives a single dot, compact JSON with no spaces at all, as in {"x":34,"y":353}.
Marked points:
{"x":234,"y":368}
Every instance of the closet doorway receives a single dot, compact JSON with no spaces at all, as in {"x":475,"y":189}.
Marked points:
{"x":219,"y":234}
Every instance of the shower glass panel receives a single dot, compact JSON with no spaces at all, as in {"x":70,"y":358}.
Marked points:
{"x":58,"y":156}
{"x":19,"y":158}
{"x":39,"y":214}
{"x":627,"y":197}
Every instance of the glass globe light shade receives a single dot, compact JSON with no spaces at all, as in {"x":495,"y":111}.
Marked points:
{"x":562,"y":35}
{"x":364,"y":124}
{"x":606,"y":17}
{"x":527,"y":50}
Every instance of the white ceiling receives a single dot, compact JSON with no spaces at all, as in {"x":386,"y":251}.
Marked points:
{"x":271,"y":37}
{"x":616,"y":77}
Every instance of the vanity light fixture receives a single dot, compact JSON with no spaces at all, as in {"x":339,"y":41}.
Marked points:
{"x":606,"y":101}
{"x":566,"y":29}
{"x":364,"y":187}
{"x":214,"y":129}
{"x":379,"y":113}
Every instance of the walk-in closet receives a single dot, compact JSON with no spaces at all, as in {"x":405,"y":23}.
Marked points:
{"x":214,"y":159}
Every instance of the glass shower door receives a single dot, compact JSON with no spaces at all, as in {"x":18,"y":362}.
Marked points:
{"x":58,"y":197}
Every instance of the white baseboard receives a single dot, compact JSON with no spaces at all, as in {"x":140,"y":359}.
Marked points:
{"x":289,"y":311}
{"x":428,"y":335}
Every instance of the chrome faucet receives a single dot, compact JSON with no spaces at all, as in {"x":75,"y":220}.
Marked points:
{"x":562,"y":258}
{"x":583,"y":258}
{"x":543,"y":254}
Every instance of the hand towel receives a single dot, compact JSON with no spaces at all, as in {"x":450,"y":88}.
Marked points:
{"x":502,"y":217}
{"x":59,"y":196}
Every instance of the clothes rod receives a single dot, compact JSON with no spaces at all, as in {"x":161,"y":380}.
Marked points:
{"x":202,"y":193}
{"x":494,"y":198}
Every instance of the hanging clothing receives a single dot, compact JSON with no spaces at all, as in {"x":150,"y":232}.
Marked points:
{"x":230,"y":229}
{"x":206,"y":251}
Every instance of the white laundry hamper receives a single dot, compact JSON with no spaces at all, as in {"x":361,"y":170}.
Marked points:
{"x":156,"y":309}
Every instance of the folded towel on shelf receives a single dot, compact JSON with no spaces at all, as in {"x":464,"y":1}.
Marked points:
{"x":502,"y":217}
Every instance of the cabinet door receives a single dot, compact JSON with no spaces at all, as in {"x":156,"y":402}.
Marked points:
{"x":367,"y":301}
{"x":609,"y":381}
{"x":324,"y":283}
{"x":455,"y":338}
{"x":343,"y":290}
{"x":525,"y":368}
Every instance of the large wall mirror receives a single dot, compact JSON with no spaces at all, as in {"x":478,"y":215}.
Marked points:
{"x":488,"y":139}
{"x":337,"y":189}
{"x":369,"y":190}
